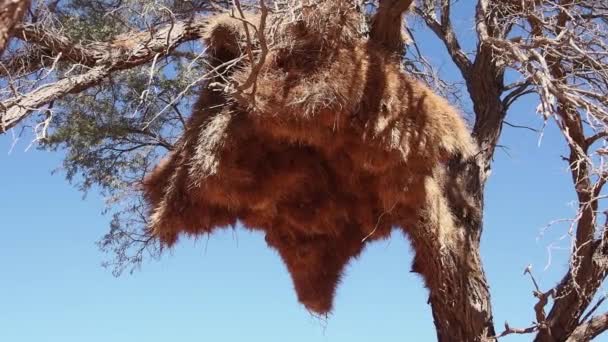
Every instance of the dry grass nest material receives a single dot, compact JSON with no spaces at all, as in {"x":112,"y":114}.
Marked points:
{"x":336,"y":148}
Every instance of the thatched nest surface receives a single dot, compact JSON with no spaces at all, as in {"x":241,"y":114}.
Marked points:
{"x":336,"y":148}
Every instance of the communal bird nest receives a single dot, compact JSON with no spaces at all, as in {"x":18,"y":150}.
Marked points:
{"x":331,"y":147}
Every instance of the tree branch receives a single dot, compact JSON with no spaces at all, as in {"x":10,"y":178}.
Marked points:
{"x":103,"y":58}
{"x":55,"y":42}
{"x":17,"y":109}
{"x":448,"y":37}
{"x":387,"y":23}
{"x":590,"y":330}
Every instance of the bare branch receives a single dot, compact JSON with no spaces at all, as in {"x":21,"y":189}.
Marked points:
{"x":520,"y":331}
{"x":256,"y":66}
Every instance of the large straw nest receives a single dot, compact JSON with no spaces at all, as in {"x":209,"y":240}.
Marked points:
{"x":336,"y":148}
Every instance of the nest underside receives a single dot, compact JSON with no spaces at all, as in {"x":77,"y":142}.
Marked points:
{"x":335,"y":148}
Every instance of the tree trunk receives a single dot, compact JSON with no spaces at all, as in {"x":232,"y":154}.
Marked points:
{"x":11,"y":12}
{"x":447,"y":255}
{"x":451,"y":263}
{"x":461,"y":303}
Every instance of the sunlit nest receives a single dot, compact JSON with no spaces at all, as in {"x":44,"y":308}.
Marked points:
{"x":337,"y":147}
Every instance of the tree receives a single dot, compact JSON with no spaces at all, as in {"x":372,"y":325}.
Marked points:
{"x":112,"y":89}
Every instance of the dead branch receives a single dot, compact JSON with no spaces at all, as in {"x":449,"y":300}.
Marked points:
{"x":256,"y":66}
{"x":519,"y":331}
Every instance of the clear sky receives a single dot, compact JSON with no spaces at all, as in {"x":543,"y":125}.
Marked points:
{"x":233,"y":288}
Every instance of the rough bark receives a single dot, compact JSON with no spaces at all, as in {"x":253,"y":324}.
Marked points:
{"x":463,"y":311}
{"x":459,"y":293}
{"x":11,"y":12}
{"x":590,"y":329}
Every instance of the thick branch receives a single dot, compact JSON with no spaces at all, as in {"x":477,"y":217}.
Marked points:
{"x":459,"y":293}
{"x":387,"y":24}
{"x":18,"y":109}
{"x":104,"y":58}
{"x":591,"y":329}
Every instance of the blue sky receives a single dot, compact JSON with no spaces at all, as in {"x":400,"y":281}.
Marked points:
{"x":232,"y":287}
